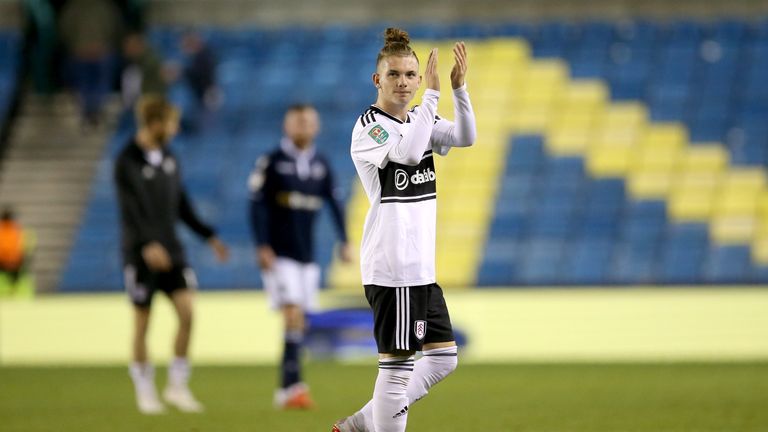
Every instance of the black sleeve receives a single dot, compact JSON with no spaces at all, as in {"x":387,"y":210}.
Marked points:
{"x":331,"y":196}
{"x":260,"y":185}
{"x":131,"y":206}
{"x":189,"y":217}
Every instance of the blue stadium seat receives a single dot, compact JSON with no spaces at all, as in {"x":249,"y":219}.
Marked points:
{"x":728,"y":264}
{"x":634,"y":265}
{"x":588,"y":261}
{"x":542,"y":262}
{"x":526,"y":154}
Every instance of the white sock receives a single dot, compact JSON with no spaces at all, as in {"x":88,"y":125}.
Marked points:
{"x":390,"y":398}
{"x":433,"y":367}
{"x":178,"y":372}
{"x":141,"y":372}
{"x":429,"y":370}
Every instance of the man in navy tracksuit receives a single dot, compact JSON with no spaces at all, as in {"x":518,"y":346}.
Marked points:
{"x":288,"y":187}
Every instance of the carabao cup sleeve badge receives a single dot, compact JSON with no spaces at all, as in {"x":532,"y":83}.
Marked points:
{"x":378,"y":134}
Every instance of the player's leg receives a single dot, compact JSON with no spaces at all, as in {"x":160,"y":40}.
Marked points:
{"x":142,"y":372}
{"x":396,"y":312}
{"x":293,"y":336}
{"x":177,"y":391}
{"x":440,"y":355}
{"x":438,"y":361}
{"x":182,"y":300}
{"x":139,"y":288}
{"x":297,"y":284}
{"x":293,"y":392}
{"x":140,"y":327}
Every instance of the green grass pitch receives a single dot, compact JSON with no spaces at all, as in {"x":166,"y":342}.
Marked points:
{"x":671,"y":397}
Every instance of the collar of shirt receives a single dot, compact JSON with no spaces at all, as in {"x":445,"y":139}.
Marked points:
{"x":302,"y":157}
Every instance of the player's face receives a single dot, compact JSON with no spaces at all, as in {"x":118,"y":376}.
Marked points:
{"x":397,"y":79}
{"x":163,"y":132}
{"x":301,"y":126}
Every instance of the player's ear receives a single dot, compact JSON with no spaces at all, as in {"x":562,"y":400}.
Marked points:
{"x":376,"y":78}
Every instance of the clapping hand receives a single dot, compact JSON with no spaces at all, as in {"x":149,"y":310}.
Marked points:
{"x":459,"y":70}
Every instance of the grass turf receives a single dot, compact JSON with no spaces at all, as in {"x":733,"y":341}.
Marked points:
{"x":516,"y":397}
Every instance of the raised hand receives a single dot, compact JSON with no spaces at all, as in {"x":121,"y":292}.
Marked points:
{"x":433,"y":80}
{"x":219,"y":249}
{"x":459,"y":70}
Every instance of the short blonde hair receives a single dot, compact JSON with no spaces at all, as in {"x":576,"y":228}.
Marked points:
{"x":153,"y":108}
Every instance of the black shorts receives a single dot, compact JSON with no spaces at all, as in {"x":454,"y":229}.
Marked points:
{"x":141,"y":282}
{"x":406,"y":318}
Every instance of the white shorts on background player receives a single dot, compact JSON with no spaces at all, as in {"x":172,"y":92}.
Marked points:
{"x":290,"y":282}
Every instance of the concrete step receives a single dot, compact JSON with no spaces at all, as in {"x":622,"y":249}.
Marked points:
{"x":63,"y":153}
{"x":32,"y":209}
{"x":44,"y":219}
{"x":61,"y":195}
{"x":48,"y":165}
{"x":42,"y":175}
{"x":47,"y":176}
{"x":54,"y":243}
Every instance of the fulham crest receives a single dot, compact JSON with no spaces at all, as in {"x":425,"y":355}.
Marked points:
{"x":420,"y":329}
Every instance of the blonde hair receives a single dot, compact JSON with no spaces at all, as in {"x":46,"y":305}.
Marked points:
{"x":153,"y":108}
{"x":396,"y":43}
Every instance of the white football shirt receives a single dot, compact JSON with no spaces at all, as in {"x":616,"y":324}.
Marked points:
{"x":398,"y":245}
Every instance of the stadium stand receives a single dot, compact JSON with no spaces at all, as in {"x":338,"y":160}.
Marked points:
{"x":10,"y":58}
{"x":609,"y":153}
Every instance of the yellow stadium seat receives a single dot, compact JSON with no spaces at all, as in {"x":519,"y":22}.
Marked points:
{"x":568,"y":142}
{"x":625,"y":115}
{"x":616,"y":137}
{"x":531,"y":119}
{"x":455,"y":213}
{"x":552,"y":71}
{"x":762,"y":211}
{"x":760,"y":250}
{"x":609,"y":160}
{"x":732,"y":230}
{"x":734,"y":202}
{"x":700,"y":181}
{"x":345,"y":276}
{"x":574,"y":117}
{"x":690,"y":207}
{"x":508,"y":50}
{"x":745,"y":179}
{"x":649,"y":184}
{"x":587,"y":92}
{"x":705,"y":159}
{"x":665,"y":135}
{"x":693,"y":197}
{"x":656,"y":159}
{"x":539,"y":93}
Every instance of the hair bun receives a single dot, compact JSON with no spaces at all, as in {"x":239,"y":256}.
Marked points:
{"x":395,"y":35}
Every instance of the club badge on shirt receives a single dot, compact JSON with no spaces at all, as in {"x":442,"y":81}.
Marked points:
{"x":379,"y":134}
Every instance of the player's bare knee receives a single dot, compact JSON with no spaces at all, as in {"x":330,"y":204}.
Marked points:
{"x":293,"y":317}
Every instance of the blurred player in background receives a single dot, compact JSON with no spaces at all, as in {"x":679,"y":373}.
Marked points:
{"x":392,"y":149}
{"x":152,"y":200}
{"x":288,"y":187}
